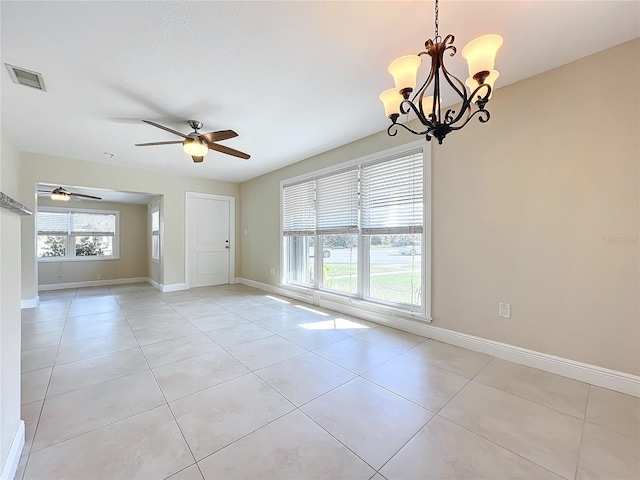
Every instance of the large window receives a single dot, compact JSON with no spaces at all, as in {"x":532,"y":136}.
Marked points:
{"x":74,"y":234}
{"x":357,"y":230}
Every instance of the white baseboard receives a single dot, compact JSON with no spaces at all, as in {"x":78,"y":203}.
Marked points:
{"x":90,"y":283}
{"x":174,"y":287}
{"x":15,"y":451}
{"x":584,"y":372}
{"x":153,"y":283}
{"x":30,"y":302}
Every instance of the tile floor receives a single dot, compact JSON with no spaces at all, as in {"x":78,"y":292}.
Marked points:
{"x":230,"y":382}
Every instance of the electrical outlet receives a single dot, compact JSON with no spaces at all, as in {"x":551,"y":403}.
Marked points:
{"x":98,"y":277}
{"x":272,"y":271}
{"x":504,"y":310}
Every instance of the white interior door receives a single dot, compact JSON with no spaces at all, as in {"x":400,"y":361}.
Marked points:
{"x":208,"y":240}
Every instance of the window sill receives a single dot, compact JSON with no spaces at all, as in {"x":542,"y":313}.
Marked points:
{"x":333,"y":301}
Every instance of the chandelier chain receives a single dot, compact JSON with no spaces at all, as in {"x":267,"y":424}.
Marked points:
{"x":436,"y":37}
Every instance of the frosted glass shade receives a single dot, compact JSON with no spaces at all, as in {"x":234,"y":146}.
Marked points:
{"x":491,"y":80}
{"x":391,"y":100}
{"x":195,"y":148}
{"x":404,"y":71}
{"x":481,"y":53}
{"x":427,"y":105}
{"x":60,"y":196}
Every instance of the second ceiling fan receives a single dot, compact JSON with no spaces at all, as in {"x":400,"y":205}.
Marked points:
{"x":198,"y":144}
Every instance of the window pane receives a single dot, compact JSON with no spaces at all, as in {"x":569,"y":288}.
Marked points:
{"x":51,"y":246}
{"x":340,"y":263}
{"x":155,"y":247}
{"x":155,"y":221}
{"x":299,"y":257}
{"x":299,"y":209}
{"x":337,"y":203}
{"x":53,"y":223}
{"x":393,"y":196}
{"x":395,"y":268}
{"x":91,"y":246}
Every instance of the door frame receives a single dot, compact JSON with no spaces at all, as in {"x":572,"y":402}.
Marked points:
{"x":232,"y":233}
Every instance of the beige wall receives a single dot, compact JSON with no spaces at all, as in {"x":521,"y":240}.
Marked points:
{"x":134,"y":248}
{"x":538,"y":208}
{"x":56,"y":170}
{"x":9,"y":302}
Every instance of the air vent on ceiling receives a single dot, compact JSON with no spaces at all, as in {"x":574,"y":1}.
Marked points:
{"x":26,"y":77}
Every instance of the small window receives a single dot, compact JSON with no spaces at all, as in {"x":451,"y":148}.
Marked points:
{"x":74,"y":234}
{"x":155,"y":232}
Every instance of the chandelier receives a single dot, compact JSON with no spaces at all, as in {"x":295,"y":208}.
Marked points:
{"x":426,"y":102}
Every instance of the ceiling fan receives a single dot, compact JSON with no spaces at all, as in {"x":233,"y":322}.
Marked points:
{"x":198,"y":144}
{"x":61,"y":193}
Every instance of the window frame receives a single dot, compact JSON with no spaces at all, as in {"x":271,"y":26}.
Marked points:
{"x":422,"y":312}
{"x":70,"y":238}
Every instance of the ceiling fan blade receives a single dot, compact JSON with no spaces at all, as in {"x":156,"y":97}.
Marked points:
{"x":197,"y":159}
{"x":219,"y":135}
{"x":82,"y":195}
{"x":157,"y":143}
{"x":165,"y":128}
{"x":228,"y":151}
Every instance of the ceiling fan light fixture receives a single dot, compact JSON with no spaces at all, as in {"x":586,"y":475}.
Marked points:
{"x":195,"y":147}
{"x":198,"y":145}
{"x":60,"y":196}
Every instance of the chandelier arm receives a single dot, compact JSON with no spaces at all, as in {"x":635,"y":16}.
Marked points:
{"x":482,"y":101}
{"x":427,"y":83}
{"x":462,"y":93}
{"x":417,"y":110}
{"x":409,"y":129}
{"x":483,"y":117}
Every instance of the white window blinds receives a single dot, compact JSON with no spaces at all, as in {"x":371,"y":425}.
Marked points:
{"x":53,"y":223}
{"x":76,"y":223}
{"x":384,"y":197}
{"x":299,"y":211}
{"x":337,"y":203}
{"x":393,"y":195}
{"x":97,"y":224}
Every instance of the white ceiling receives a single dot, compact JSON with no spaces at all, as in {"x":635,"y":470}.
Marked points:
{"x":292,"y":78}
